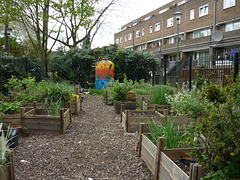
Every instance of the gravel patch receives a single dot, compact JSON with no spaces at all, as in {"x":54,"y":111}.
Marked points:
{"x":93,"y":147}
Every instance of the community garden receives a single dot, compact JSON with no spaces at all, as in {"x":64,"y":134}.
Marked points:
{"x":131,"y":129}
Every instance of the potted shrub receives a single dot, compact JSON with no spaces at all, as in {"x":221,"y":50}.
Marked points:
{"x":119,"y":94}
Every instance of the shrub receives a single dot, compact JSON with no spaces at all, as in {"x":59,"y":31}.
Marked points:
{"x":159,"y":94}
{"x":186,"y":103}
{"x":220,"y":127}
{"x":119,"y":91}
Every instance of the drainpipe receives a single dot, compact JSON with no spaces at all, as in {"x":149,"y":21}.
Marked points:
{"x":214,"y":29}
{"x":133,"y":39}
{"x":214,"y":14}
{"x":162,"y":32}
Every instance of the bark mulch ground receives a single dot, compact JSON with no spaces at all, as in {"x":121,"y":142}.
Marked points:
{"x":94,"y":147}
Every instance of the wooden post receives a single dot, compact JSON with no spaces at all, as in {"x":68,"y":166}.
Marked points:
{"x":122,"y":110}
{"x":22,"y":111}
{"x":160,"y":148}
{"x":199,"y":172}
{"x":12,"y":167}
{"x":35,"y":105}
{"x":191,"y":171}
{"x":141,"y":126}
{"x":70,"y":111}
{"x":155,"y":107}
{"x":165,"y":113}
{"x":61,"y":121}
{"x":142,"y":103}
{"x":148,"y":104}
{"x":194,"y":172}
{"x":76,"y":105}
{"x":127,"y":118}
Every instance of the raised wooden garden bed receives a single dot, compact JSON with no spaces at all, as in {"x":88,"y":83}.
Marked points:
{"x":161,"y":161}
{"x":7,"y":173}
{"x":36,"y":121}
{"x":146,"y":97}
{"x":160,"y":108}
{"x":131,"y":119}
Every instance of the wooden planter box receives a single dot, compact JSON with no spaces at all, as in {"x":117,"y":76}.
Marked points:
{"x":145,"y":97}
{"x":131,"y":122}
{"x":160,"y":108}
{"x":76,"y":105}
{"x":7,"y":173}
{"x":36,"y":121}
{"x":160,"y":161}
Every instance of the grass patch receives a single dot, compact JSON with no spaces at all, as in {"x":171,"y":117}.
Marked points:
{"x":97,"y":92}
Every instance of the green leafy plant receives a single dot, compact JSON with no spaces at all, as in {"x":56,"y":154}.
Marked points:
{"x":10,"y":108}
{"x":119,"y":91}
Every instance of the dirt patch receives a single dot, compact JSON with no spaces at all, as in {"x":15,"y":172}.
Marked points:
{"x":94,"y":146}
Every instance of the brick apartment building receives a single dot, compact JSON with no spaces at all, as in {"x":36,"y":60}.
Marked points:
{"x":156,"y":31}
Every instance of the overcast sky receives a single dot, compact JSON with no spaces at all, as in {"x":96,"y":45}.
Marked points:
{"x":124,"y":12}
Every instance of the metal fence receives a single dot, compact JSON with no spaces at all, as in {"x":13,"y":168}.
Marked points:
{"x":213,"y":69}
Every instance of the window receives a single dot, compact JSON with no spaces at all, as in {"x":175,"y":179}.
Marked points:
{"x":192,"y":14}
{"x":201,"y":33}
{"x":150,"y":29}
{"x":232,"y":26}
{"x":117,"y":41}
{"x":203,"y":10}
{"x":125,"y":38}
{"x":143,"y":32}
{"x":157,"y":26}
{"x":141,"y":47}
{"x":171,"y":40}
{"x":156,"y":43}
{"x":170,"y":22}
{"x":120,"y":39}
{"x":228,"y":3}
{"x":138,"y":34}
{"x":129,"y":36}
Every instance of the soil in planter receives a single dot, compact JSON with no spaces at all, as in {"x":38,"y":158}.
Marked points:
{"x":186,"y":168}
{"x":142,"y":114}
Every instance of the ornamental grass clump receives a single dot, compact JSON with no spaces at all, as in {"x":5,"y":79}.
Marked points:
{"x":173,"y":137}
{"x":4,"y":147}
{"x":159,"y":94}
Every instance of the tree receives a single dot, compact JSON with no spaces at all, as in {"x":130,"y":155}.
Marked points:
{"x":79,"y":19}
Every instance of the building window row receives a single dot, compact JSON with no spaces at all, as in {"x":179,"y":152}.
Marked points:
{"x":201,"y":33}
{"x":232,"y":26}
